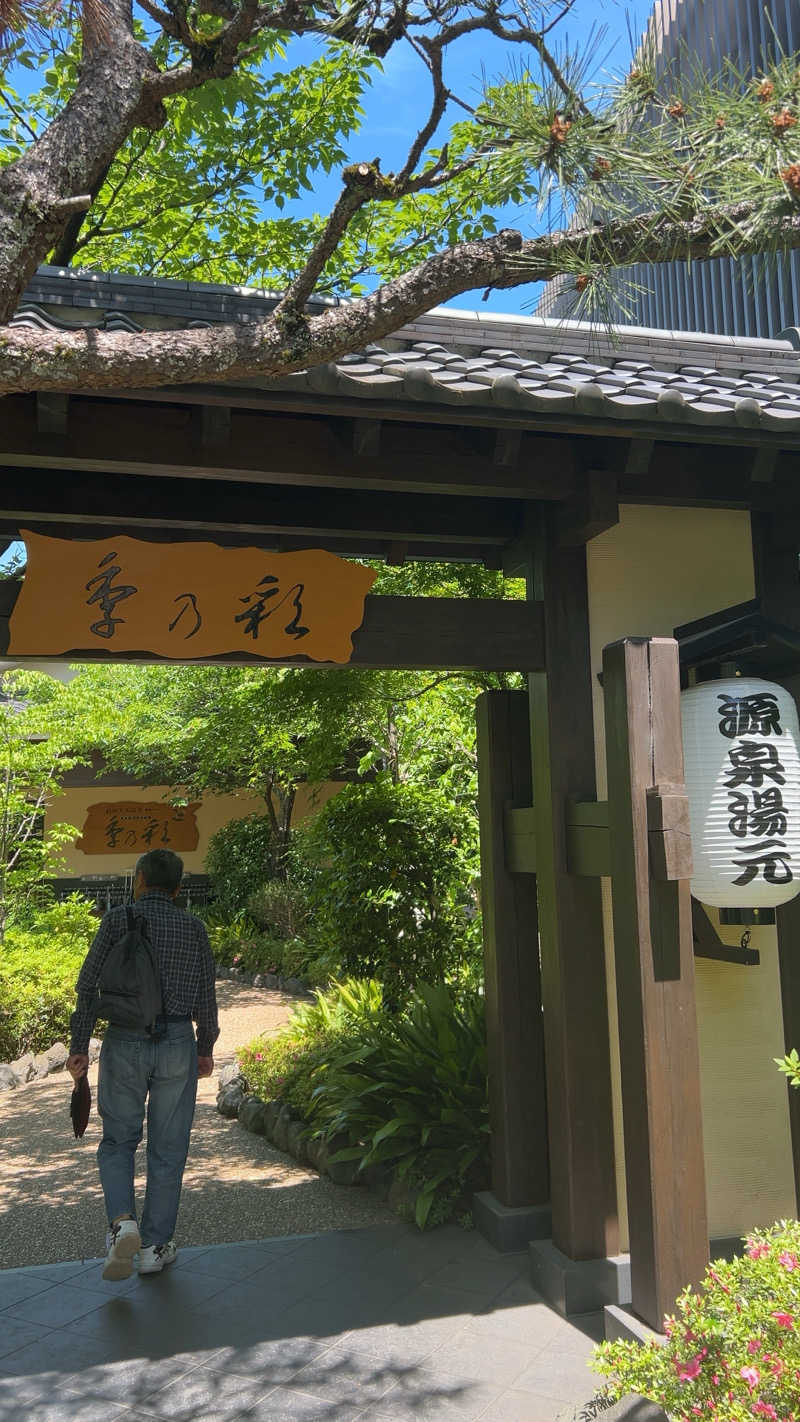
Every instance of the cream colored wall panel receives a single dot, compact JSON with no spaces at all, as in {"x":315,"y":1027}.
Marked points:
{"x":748,"y":1146}
{"x":213,"y":812}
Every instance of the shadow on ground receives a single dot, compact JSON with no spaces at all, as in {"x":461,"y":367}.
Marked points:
{"x":372,"y":1324}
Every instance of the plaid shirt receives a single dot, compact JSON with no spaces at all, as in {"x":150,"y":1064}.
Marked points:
{"x":184,"y":956}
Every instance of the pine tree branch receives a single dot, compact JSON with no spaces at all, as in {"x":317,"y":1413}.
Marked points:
{"x":34,"y":360}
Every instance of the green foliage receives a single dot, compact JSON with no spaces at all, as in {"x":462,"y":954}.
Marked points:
{"x":733,"y":1349}
{"x":790,"y":1066}
{"x":286,"y":1066}
{"x":35,"y":753}
{"x":408,"y":1091}
{"x":412,"y":1094}
{"x":392,"y":889}
{"x":238,"y":861}
{"x":39,"y":967}
{"x":205,"y":195}
{"x":280,"y":908}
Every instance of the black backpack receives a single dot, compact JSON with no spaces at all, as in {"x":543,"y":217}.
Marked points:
{"x":129,"y":987}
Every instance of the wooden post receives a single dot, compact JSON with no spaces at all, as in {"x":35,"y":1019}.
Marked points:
{"x":787,"y":919}
{"x":583,"y":1182}
{"x":651,"y":865}
{"x":776,"y":544}
{"x":513,"y":990}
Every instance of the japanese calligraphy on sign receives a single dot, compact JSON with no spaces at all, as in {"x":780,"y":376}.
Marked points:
{"x":133,"y":826}
{"x":741,"y":741}
{"x":755,"y":779}
{"x":186,"y":601}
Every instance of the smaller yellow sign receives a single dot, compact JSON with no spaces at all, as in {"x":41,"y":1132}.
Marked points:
{"x":134,"y":826}
{"x":186,"y":601}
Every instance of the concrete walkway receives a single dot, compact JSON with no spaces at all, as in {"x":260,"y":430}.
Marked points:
{"x":380,"y":1324}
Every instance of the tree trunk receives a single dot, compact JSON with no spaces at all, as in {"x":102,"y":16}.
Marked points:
{"x":70,"y":157}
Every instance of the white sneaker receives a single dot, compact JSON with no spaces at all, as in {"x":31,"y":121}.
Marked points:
{"x":122,"y":1242}
{"x":154,"y":1257}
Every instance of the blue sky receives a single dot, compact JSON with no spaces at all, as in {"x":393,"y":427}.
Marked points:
{"x":397,"y":103}
{"x":398,"y":98}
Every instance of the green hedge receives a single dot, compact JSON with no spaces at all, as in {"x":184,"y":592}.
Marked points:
{"x":39,"y":967}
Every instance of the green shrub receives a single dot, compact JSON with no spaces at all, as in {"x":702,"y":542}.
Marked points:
{"x":412,"y":1094}
{"x":733,"y":1347}
{"x":391,"y":885}
{"x":286,"y":1065}
{"x":39,"y":966}
{"x":280,"y":908}
{"x":238,"y":861}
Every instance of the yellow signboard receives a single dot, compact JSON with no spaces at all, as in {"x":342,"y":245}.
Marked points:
{"x":134,"y":826}
{"x":186,"y":600}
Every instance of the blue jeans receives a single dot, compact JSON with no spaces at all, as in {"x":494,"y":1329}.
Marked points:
{"x":136,"y":1070}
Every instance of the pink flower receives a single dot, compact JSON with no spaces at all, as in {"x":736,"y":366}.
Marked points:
{"x":783,"y":1320}
{"x":764,"y":1409}
{"x":753,"y":1346}
{"x":789,"y":1261}
{"x":688,"y":1371}
{"x":751,"y":1376}
{"x":259,"y":1056}
{"x":756,"y":1251}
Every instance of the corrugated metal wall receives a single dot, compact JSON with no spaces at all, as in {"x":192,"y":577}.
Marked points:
{"x":750,"y":296}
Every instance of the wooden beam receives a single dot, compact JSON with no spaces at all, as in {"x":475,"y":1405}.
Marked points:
{"x":165,"y":440}
{"x":584,"y":1197}
{"x":776,"y":543}
{"x":51,"y":413}
{"x":640,"y":452}
{"x":396,"y":554}
{"x":587,"y":837}
{"x":654,"y":956}
{"x":762,"y":469}
{"x":517,"y":1108}
{"x":367,"y":438}
{"x":787,"y":920}
{"x":590,"y":511}
{"x":436,"y":633}
{"x":136,"y":503}
{"x":215,"y":426}
{"x":269,"y":398}
{"x":519,"y":837}
{"x":708,"y":944}
{"x":507,"y":447}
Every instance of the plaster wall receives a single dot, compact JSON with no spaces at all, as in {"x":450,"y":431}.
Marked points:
{"x":658,"y":568}
{"x":213,"y":812}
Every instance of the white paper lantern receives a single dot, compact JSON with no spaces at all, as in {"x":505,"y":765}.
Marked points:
{"x":741,"y":746}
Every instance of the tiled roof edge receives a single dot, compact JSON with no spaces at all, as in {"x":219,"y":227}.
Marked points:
{"x":204,"y":301}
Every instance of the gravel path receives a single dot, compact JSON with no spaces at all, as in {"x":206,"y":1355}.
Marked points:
{"x":236,"y":1185}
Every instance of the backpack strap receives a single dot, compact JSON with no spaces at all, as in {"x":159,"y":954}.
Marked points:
{"x":131,"y":917}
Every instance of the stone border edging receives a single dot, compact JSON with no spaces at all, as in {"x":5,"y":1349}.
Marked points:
{"x":35,"y":1066}
{"x":284,"y":1128}
{"x":273,"y":982}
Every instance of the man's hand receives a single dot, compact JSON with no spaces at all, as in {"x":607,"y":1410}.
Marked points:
{"x":77,"y":1065}
{"x":205,"y":1066}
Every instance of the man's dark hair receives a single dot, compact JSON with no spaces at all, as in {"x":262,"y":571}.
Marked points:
{"x":161,"y":869}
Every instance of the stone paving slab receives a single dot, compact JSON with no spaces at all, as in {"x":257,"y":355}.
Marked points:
{"x":368,"y":1325}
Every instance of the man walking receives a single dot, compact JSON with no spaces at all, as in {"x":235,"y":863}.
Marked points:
{"x":158,"y":1069}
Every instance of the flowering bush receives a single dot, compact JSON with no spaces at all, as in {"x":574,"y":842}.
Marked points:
{"x":733,"y":1348}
